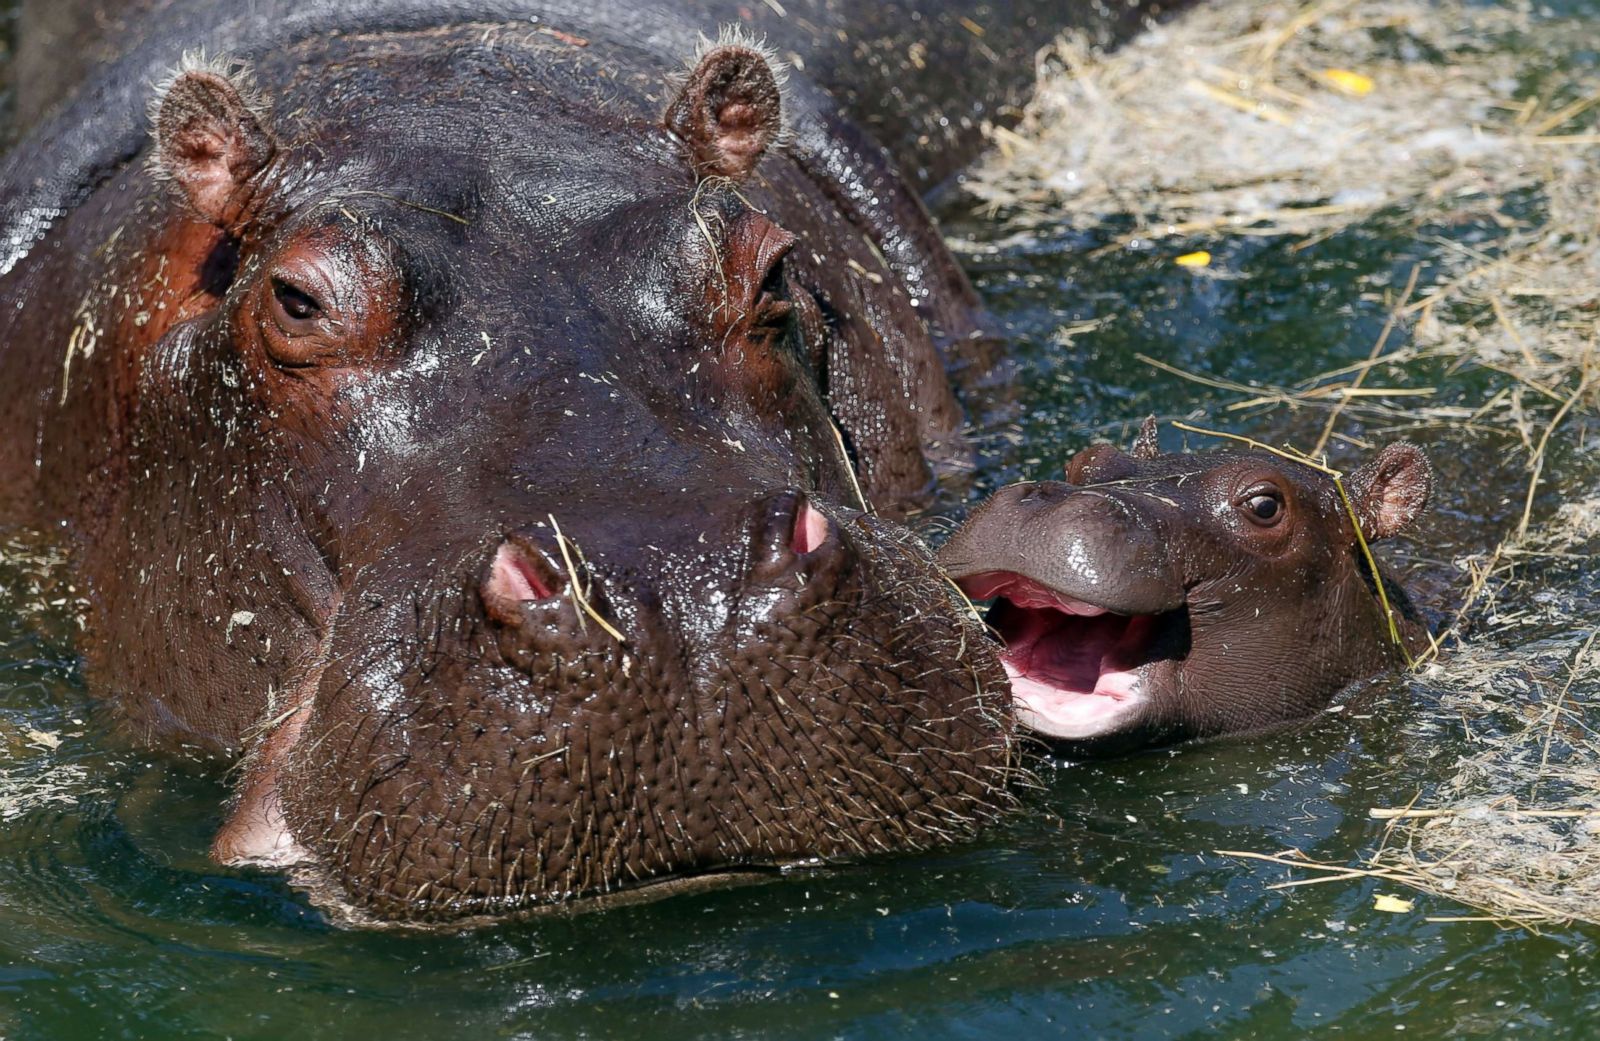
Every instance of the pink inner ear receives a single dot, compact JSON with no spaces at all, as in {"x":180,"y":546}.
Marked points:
{"x":738,"y":117}
{"x":728,"y":112}
{"x":196,"y":145}
{"x":810,"y":529}
{"x":1393,"y":490}
{"x":203,"y":168}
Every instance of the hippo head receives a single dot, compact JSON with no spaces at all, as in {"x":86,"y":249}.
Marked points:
{"x":1153,"y":597}
{"x":484,"y":487}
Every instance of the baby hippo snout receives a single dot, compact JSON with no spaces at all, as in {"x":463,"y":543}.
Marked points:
{"x":1087,"y":544}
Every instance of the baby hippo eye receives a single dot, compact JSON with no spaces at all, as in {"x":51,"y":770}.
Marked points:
{"x":1264,"y":507}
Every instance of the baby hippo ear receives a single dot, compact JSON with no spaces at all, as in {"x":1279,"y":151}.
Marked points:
{"x":730,"y":109}
{"x":1148,"y":444}
{"x":210,"y":140}
{"x":1390,"y":493}
{"x":1099,"y":464}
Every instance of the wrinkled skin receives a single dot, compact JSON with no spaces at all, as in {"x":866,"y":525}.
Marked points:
{"x":466,"y":432}
{"x":1154,"y":598}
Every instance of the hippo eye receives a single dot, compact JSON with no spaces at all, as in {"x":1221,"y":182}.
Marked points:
{"x":1264,"y":507}
{"x":294,"y":304}
{"x":330,"y":300}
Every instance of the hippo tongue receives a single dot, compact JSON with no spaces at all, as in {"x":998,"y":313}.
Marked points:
{"x":1073,"y":665}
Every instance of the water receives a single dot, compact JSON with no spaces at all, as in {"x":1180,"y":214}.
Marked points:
{"x":1100,"y":910}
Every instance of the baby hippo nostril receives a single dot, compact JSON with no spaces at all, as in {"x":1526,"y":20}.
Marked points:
{"x":524,"y":569}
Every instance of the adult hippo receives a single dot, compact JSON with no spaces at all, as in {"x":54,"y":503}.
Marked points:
{"x":1159,"y":597}
{"x":460,"y":414}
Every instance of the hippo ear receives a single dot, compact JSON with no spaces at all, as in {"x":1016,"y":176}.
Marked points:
{"x":1390,"y":493}
{"x":729,"y":110}
{"x":210,"y":140}
{"x":1148,"y":444}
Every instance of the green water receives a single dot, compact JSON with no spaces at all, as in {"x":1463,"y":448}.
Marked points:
{"x":1099,"y":910}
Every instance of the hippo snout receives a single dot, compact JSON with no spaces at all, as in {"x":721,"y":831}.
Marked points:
{"x":794,"y":532}
{"x":648,"y":696}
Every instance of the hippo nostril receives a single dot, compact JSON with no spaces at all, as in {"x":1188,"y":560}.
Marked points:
{"x":810,"y":529}
{"x":516,"y":575}
{"x":523,"y":570}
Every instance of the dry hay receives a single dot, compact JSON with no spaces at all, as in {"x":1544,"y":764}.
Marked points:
{"x":1272,"y":118}
{"x":1264,"y":117}
{"x":1241,"y":114}
{"x":1516,"y":831}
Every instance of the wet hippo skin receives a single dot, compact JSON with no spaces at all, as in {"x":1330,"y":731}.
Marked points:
{"x":458,"y":415}
{"x":1153,"y":598}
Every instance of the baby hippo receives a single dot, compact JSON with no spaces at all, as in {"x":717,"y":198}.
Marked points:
{"x":1155,"y":598}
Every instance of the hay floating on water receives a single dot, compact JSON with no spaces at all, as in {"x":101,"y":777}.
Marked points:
{"x":40,"y":784}
{"x":1515,"y":834}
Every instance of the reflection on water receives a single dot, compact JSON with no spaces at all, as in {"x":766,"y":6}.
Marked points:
{"x":1100,"y":910}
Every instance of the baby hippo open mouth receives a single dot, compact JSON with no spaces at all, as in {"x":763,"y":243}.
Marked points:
{"x":1074,"y":666}
{"x":1153,"y":598}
